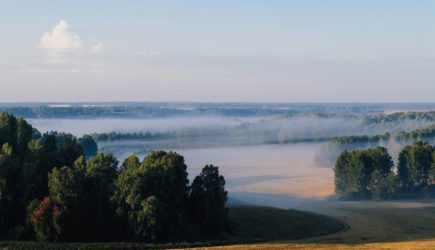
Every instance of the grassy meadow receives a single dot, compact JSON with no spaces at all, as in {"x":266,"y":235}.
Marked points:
{"x":372,"y":225}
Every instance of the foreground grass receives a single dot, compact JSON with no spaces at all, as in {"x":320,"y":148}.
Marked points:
{"x":372,"y":225}
{"x":266,"y":223}
{"x":248,"y":224}
{"x":374,"y":222}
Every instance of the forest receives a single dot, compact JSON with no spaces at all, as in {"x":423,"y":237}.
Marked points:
{"x":55,"y":187}
{"x":176,"y":109}
{"x":371,"y":173}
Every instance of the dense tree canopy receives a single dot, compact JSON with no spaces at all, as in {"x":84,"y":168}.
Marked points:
{"x":55,"y":187}
{"x":90,"y":147}
{"x":370,"y":173}
{"x":354,"y":171}
{"x":207,"y":202}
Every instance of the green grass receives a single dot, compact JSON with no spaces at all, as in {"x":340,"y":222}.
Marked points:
{"x":248,"y":224}
{"x":267,"y":223}
{"x":383,"y":221}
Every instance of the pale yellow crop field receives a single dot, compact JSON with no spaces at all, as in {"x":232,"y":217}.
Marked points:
{"x":414,"y":245}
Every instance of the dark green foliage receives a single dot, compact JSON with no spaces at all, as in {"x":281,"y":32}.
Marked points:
{"x":159,"y":181}
{"x":354,"y":171}
{"x":148,"y":219}
{"x":349,"y":175}
{"x":101,"y":173}
{"x":65,"y":147}
{"x":382,"y":186}
{"x":90,"y":147}
{"x":207,"y":202}
{"x":26,"y":158}
{"x":415,"y":165}
{"x":403,"y":170}
{"x":9,"y":190}
{"x":368,"y":173}
{"x":420,"y":164}
{"x":65,"y":185}
{"x":49,"y":191}
{"x":152,"y":196}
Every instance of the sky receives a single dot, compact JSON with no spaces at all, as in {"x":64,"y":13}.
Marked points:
{"x":217,"y":51}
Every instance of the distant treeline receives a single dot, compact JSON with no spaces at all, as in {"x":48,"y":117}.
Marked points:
{"x":50,"y":190}
{"x":240,"y":135}
{"x":329,"y":152}
{"x":371,"y":174}
{"x":282,"y":130}
{"x":402,"y":136}
{"x":401,"y":116}
{"x":164,"y":110}
{"x":116,"y":136}
{"x":143,"y":110}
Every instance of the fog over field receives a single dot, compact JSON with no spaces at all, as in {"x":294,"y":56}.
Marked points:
{"x":80,"y":127}
{"x":274,"y":160}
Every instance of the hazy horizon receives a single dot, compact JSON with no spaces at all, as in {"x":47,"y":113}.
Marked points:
{"x":227,"y":51}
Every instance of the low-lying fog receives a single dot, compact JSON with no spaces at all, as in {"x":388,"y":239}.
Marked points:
{"x":79,"y":127}
{"x":257,"y":163}
{"x":280,"y":175}
{"x":287,"y":169}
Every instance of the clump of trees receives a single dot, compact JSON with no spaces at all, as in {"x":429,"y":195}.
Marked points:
{"x":370,"y":173}
{"x":52,"y":190}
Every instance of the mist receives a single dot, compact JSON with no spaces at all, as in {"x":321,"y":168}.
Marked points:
{"x":274,"y":160}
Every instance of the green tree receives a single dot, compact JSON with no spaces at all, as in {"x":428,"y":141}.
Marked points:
{"x":161,"y":175}
{"x":90,"y":147}
{"x":403,"y":168}
{"x":61,"y":149}
{"x":354,"y":171}
{"x":11,"y":209}
{"x":66,"y":186}
{"x":349,"y":175}
{"x":147,"y":219}
{"x":421,"y":162}
{"x":101,"y":174}
{"x":382,"y":186}
{"x":207,"y":202}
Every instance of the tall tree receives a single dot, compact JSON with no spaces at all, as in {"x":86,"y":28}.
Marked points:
{"x":161,"y":175}
{"x":403,"y":168}
{"x":101,"y":173}
{"x":349,"y":175}
{"x":90,"y":147}
{"x":207,"y":202}
{"x":421,"y":162}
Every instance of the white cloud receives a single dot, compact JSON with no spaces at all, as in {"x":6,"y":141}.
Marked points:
{"x":97,"y":49}
{"x":60,"y":41}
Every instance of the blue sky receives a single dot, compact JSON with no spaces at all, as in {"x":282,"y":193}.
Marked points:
{"x":265,"y":51}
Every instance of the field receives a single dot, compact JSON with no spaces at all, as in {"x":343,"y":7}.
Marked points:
{"x":372,"y":225}
{"x":415,"y":245}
